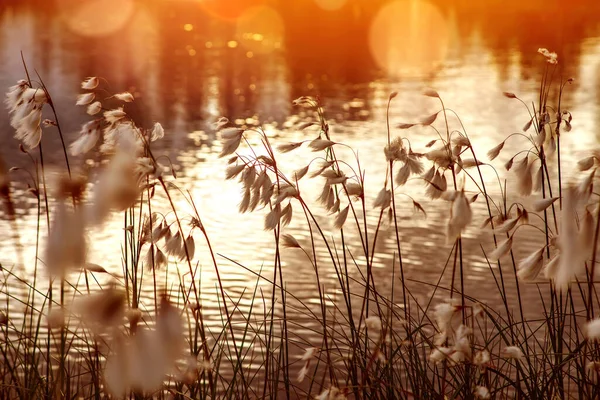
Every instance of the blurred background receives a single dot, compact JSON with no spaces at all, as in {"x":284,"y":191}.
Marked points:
{"x":190,"y":61}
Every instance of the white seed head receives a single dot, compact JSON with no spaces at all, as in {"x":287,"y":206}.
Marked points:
{"x":592,"y":329}
{"x":512,"y":352}
{"x":125,"y":97}
{"x":90,"y":83}
{"x":85,"y":99}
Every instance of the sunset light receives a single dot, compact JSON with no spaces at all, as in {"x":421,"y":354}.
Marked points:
{"x":409,"y":38}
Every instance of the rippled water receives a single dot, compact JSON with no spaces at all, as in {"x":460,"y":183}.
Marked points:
{"x":187,"y":77}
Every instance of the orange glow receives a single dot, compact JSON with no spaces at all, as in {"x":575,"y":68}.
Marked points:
{"x":409,"y":38}
{"x":228,"y":9}
{"x":95,"y":17}
{"x":142,"y":33}
{"x":331,"y":5}
{"x":260,"y":29}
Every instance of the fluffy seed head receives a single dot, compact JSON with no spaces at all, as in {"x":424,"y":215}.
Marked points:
{"x":85,"y":99}
{"x":90,"y":83}
{"x":512,"y":352}
{"x":373,"y":323}
{"x":125,"y":97}
{"x":592,"y":329}
{"x":531,"y":266}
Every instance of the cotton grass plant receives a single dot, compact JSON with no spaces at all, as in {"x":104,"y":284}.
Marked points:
{"x":88,"y":333}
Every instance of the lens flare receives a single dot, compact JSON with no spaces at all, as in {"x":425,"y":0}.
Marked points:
{"x":228,"y":9}
{"x":409,"y":38}
{"x":95,"y":17}
{"x":331,"y":5}
{"x":260,"y":30}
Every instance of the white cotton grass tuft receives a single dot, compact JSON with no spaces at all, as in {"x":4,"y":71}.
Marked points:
{"x":437,"y":186}
{"x":157,"y":132}
{"x":306,"y":357}
{"x":101,"y":311}
{"x":300,"y":173}
{"x":395,"y":150}
{"x":439,"y":354}
{"x":373,"y":323}
{"x":592,"y":329}
{"x":272,"y":218}
{"x":88,"y":137}
{"x":174,"y":246}
{"x":431,"y":93}
{"x":230,"y":139}
{"x":125,"y":97}
{"x":502,"y":249}
{"x":90,"y":83}
{"x":512,"y":352}
{"x":481,"y":358}
{"x":551,"y":268}
{"x":542,"y":204}
{"x":403,"y":174}
{"x":122,"y":136}
{"x":144,"y":166}
{"x":414,"y":164}
{"x":286,"y":215}
{"x":326,"y":197}
{"x":383,"y":199}
{"x":66,"y":245}
{"x":85,"y":98}
{"x":441,"y":156}
{"x":320,"y":144}
{"x":29,"y":130}
{"x":333,"y":393}
{"x":115,"y":115}
{"x":141,"y":362}
{"x":234,"y":170}
{"x":507,"y":225}
{"x":220,"y":123}
{"x":443,"y":314}
{"x":460,"y":216}
{"x":354,"y":189}
{"x":116,"y":189}
{"x":302,"y":373}
{"x":573,"y":251}
{"x":462,"y":344}
{"x":551,"y":57}
{"x":191,"y":246}
{"x":340,"y":218}
{"x":14,"y":94}
{"x":523,"y":172}
{"x":482,"y":392}
{"x":530,"y":267}
{"x":25,"y":106}
{"x":289,"y":241}
{"x":287,"y":147}
{"x":461,"y":141}
{"x":94,"y":108}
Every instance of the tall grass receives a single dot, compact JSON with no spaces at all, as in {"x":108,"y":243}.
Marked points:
{"x":89,"y":333}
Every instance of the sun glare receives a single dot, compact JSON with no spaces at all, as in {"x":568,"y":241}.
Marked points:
{"x":331,"y":5}
{"x":95,"y":17}
{"x":230,"y":9}
{"x":409,"y":38}
{"x":261,"y":29}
